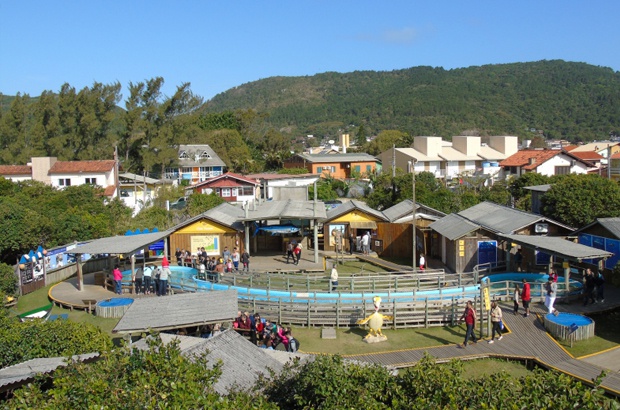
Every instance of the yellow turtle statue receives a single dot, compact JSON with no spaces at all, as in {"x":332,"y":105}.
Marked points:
{"x":375,"y":322}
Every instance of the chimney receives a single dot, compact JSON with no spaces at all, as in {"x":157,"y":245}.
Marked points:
{"x":532,"y":161}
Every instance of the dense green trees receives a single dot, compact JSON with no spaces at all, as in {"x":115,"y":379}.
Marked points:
{"x":23,"y":341}
{"x":162,"y":378}
{"x":578,"y":200}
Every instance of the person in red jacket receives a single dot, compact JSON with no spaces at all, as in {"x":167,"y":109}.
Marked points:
{"x":469,"y":315}
{"x":526,"y":298}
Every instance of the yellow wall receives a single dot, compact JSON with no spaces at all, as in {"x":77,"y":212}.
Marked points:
{"x":204,"y":226}
{"x":355,"y":216}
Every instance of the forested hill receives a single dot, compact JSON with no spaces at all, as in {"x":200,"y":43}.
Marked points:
{"x":563,"y":99}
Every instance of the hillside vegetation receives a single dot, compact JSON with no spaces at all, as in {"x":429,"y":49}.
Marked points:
{"x":563,"y":99}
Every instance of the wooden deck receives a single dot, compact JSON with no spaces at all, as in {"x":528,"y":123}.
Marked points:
{"x":527,"y":340}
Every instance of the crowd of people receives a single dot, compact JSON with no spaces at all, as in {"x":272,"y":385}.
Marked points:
{"x":264,"y":333}
{"x":212,"y":267}
{"x":152,"y":279}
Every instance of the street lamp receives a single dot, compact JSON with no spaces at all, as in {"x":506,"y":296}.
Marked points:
{"x":412,"y":168}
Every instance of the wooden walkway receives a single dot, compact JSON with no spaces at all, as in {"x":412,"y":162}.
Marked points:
{"x":527,"y":340}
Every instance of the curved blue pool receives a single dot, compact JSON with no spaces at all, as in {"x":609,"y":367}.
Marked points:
{"x":181,"y":275}
{"x":569,"y":319}
{"x":116,"y":302}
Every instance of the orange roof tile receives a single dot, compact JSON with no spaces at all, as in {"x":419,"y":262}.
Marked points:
{"x":71,"y":167}
{"x":524,"y":157}
{"x":15,"y":170}
{"x":587,"y":155}
{"x":109,"y":191}
{"x":569,"y":147}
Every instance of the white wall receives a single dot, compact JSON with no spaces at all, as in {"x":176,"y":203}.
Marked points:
{"x":548,"y":167}
{"x":103,"y":179}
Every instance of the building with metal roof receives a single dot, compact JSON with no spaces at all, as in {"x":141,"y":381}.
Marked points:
{"x":178,"y":311}
{"x":336,"y":165}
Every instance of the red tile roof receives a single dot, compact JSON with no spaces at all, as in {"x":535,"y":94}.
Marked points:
{"x":570,"y":147}
{"x":587,"y":155}
{"x":15,"y":170}
{"x":73,"y":167}
{"x":522,"y":158}
{"x":109,"y":191}
{"x":226,"y":180}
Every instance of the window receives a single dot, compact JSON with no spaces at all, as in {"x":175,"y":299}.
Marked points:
{"x":562,"y":170}
{"x":225,"y":192}
{"x":319,"y":170}
{"x":64,"y":182}
{"x":368,"y":169}
{"x":247,"y":191}
{"x":357,"y":169}
{"x":183,"y":155}
{"x":91,"y":181}
{"x":205,"y":155}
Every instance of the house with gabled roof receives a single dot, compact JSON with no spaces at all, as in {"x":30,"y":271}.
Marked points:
{"x":195,"y":163}
{"x":351,"y":218}
{"x":230,"y":187}
{"x":214,"y":229}
{"x":472,"y":237}
{"x":397,"y":235}
{"x":603,"y":233}
{"x":545,"y":162}
{"x":61,"y":174}
{"x":68,"y":173}
{"x":336,"y":165}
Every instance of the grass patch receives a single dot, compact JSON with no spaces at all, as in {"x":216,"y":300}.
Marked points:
{"x":354,"y":266}
{"x":475,"y":369}
{"x":585,"y":347}
{"x":349,"y":341}
{"x":39,"y":298}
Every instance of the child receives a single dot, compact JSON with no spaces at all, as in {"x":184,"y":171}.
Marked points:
{"x":245,"y":260}
{"x":229,"y":265}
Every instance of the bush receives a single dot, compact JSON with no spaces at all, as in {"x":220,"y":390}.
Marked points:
{"x":37,"y":338}
{"x":8,"y":280}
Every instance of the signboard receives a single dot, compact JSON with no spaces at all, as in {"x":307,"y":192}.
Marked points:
{"x":487,"y":299}
{"x":211,"y":243}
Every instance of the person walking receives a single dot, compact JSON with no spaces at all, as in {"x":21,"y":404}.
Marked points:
{"x":526,"y":297}
{"x":289,"y":252}
{"x":469,"y":316}
{"x":515,"y":298}
{"x":496,"y":321}
{"x":334,"y":278}
{"x":297,"y":253}
{"x":118,"y":278}
{"x":552,"y":290}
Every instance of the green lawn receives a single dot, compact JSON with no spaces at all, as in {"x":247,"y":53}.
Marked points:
{"x":349,"y":341}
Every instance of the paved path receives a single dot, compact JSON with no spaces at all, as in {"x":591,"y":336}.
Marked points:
{"x":527,"y":339}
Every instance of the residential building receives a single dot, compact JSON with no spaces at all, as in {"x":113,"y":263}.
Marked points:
{"x":545,"y":162}
{"x":341,"y":166}
{"x":61,"y":174}
{"x":614,"y":167}
{"x":138,"y":191}
{"x":284,"y":186}
{"x":444,"y":159}
{"x":604,"y":148}
{"x":230,"y":187}
{"x":196,"y":163}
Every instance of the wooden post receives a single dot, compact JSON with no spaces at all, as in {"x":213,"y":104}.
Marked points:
{"x":80,"y":276}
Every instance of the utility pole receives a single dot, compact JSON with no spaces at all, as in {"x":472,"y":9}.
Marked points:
{"x":412,"y":166}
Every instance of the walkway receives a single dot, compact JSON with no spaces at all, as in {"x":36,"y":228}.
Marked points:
{"x":527,"y":339}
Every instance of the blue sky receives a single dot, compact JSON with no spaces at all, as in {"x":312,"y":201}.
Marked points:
{"x":217,"y":45}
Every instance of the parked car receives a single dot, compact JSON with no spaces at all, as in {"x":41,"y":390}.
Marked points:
{"x":179,"y":203}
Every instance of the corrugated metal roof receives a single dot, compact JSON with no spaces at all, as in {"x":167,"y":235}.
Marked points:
{"x":14,"y":376}
{"x":242,"y":362}
{"x":288,"y":209}
{"x":176,"y":311}
{"x":352,"y":205}
{"x":558,"y":246}
{"x":400,"y":210}
{"x":224,"y":214}
{"x":498,"y":218}
{"x":611,"y":224}
{"x":120,"y":245}
{"x":453,"y":226}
